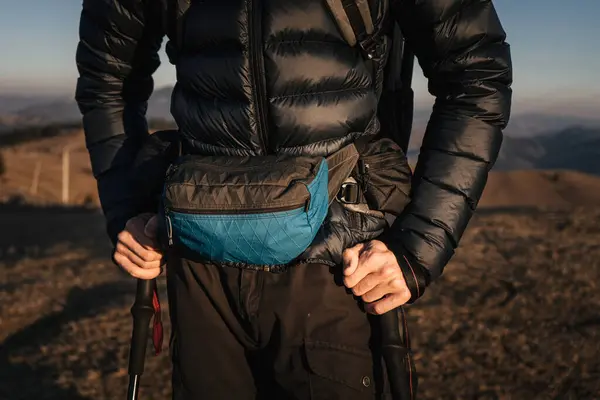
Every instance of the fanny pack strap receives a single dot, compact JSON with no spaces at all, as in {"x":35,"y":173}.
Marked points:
{"x":341,"y":164}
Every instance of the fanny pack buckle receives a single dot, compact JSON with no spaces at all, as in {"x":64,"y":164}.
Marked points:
{"x":349,"y":193}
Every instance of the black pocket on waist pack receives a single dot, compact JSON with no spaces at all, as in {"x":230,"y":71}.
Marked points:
{"x":386,"y":176}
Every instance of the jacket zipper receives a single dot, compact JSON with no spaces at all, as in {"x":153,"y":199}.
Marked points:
{"x":258,"y":73}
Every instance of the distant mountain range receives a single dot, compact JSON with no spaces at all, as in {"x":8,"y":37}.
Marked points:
{"x":26,"y":110}
{"x":575,"y":148}
{"x":522,"y":125}
{"x":532,"y":140}
{"x":21,"y":110}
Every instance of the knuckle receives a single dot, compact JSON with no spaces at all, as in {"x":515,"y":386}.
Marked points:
{"x":120,"y":248}
{"x":378,"y":256}
{"x":378,"y":309}
{"x":378,"y":244}
{"x":367,"y":255}
{"x":145,"y":255}
{"x":148,"y":256}
{"x":399,"y":285}
{"x":357,"y":289}
{"x":365,"y":284}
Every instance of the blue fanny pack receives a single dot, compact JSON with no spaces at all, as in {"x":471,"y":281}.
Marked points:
{"x":260,"y":210}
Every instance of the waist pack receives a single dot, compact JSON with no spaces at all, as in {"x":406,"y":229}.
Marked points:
{"x":260,"y":210}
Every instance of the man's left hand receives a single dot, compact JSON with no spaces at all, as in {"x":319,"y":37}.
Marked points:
{"x":372,"y":272}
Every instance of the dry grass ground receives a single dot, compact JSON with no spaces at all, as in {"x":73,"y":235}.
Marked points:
{"x":515,"y":315}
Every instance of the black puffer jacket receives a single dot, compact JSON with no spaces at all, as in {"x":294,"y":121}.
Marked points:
{"x":275,"y":75}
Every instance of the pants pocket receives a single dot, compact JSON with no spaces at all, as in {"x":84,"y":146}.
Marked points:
{"x":342,"y":372}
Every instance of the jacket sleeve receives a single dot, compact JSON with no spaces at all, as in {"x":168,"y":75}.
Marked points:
{"x":460,"y":45}
{"x":116,"y":57}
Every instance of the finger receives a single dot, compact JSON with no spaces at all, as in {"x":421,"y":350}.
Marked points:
{"x":389,"y":287}
{"x":145,"y":253}
{"x":121,"y":248}
{"x":350,"y":257}
{"x":368,"y":262}
{"x":388,"y":303}
{"x":135,"y":271}
{"x":135,"y":259}
{"x":381,"y":276}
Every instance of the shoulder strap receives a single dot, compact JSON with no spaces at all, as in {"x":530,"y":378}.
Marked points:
{"x":355,"y":22}
{"x":356,"y":25}
{"x":353,"y":18}
{"x":396,"y":105}
{"x":173,"y":14}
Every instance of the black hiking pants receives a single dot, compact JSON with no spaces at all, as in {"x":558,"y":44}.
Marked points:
{"x":246,"y":335}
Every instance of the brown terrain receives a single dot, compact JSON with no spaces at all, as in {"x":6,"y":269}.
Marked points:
{"x":515,"y":316}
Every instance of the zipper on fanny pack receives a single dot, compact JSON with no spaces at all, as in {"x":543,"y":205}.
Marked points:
{"x":305,"y":204}
{"x":193,"y":161}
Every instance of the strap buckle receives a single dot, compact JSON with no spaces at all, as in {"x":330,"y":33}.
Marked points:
{"x":349,"y":193}
{"x":369,"y":45}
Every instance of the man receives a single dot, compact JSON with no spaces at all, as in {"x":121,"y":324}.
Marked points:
{"x":261,"y":77}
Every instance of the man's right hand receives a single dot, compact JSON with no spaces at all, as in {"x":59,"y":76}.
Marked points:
{"x":137,"y":248}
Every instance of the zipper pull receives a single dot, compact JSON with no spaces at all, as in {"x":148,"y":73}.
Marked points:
{"x":362,"y":167}
{"x":170,"y":170}
{"x":169,"y":230}
{"x":363,"y":176}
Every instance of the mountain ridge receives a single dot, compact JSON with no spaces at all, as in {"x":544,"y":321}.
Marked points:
{"x":18,"y":110}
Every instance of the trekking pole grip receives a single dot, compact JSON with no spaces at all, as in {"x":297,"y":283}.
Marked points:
{"x":142,"y":312}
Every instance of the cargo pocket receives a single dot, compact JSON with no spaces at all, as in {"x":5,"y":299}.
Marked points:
{"x":341,"y":372}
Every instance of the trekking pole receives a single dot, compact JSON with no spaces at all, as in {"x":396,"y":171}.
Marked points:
{"x":395,"y":356}
{"x":142,"y":311}
{"x":394,"y":349}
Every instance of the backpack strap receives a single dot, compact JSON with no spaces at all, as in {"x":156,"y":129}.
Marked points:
{"x":174,"y":11}
{"x":355,"y":22}
{"x":396,"y":105}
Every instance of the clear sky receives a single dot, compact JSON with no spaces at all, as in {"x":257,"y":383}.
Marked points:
{"x":555,"y":47}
